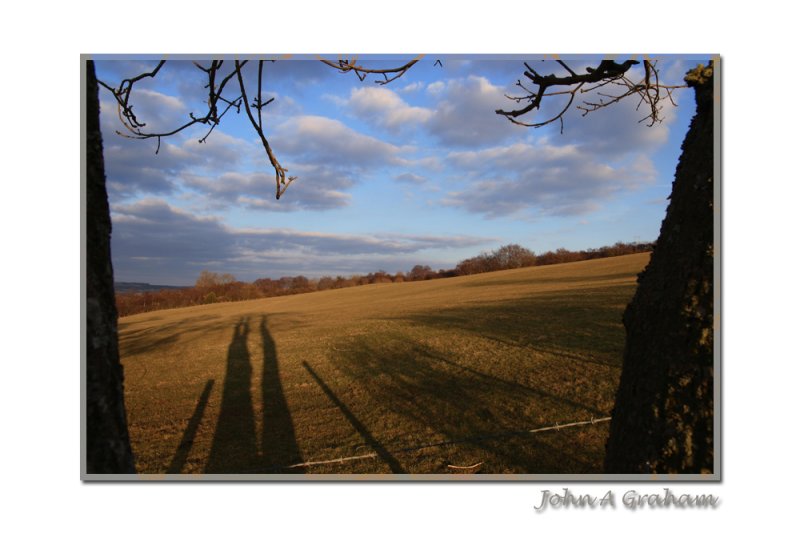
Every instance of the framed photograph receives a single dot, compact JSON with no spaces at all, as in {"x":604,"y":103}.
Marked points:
{"x":403,"y":267}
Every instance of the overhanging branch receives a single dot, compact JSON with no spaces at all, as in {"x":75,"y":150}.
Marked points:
{"x":135,"y":127}
{"x":607,"y":73}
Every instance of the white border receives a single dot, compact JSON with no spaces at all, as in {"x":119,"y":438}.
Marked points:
{"x":39,"y":396}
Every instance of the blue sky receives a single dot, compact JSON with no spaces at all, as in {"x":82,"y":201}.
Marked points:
{"x":419,"y":171}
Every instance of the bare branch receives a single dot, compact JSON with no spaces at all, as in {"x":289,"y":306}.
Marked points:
{"x":566,"y":67}
{"x":129,"y":120}
{"x":235,"y":104}
{"x":556,"y":117}
{"x":280,"y":172}
{"x":605,"y":70}
{"x":258,"y":96}
{"x":351,"y":65}
{"x":649,"y":89}
{"x":212,"y":117}
{"x":607,"y":73}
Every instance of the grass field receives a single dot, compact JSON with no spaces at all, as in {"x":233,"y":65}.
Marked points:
{"x":422,"y":376}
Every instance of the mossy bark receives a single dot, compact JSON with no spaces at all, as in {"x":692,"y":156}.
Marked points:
{"x":664,"y":413}
{"x":108,"y":448}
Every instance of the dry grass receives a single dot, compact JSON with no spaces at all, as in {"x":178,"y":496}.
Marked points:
{"x":252,"y":387}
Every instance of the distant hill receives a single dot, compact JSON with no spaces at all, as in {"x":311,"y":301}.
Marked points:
{"x":140,"y":287}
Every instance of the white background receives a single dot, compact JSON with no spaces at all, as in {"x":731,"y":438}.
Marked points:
{"x":39,"y":380}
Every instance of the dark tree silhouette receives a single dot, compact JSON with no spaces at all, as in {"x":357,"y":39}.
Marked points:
{"x":108,"y":448}
{"x":663,"y":419}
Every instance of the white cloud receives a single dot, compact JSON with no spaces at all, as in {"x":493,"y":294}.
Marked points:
{"x":158,"y":112}
{"x":156,"y":242}
{"x":464,"y":114}
{"x":157,"y":100}
{"x":133,"y":167}
{"x":329,"y":142}
{"x":383,"y":106}
{"x":542,"y":179}
{"x":461,"y":114}
{"x":435,"y":87}
{"x":318,"y":188}
{"x":412,"y":87}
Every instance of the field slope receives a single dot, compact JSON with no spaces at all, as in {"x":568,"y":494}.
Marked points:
{"x":423,"y":377}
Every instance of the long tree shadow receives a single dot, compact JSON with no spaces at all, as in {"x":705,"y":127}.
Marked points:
{"x":136,"y":339}
{"x":279,"y":443}
{"x":234,"y":448}
{"x":441,"y":401}
{"x":579,"y":323}
{"x":379,"y":449}
{"x":182,"y":453}
{"x":426,"y":353}
{"x":545,"y":280}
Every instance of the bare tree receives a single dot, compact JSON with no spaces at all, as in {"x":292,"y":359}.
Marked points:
{"x":663,"y":419}
{"x":108,"y":447}
{"x":223,"y":96}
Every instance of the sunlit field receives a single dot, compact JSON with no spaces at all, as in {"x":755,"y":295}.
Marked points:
{"x":444,"y":376}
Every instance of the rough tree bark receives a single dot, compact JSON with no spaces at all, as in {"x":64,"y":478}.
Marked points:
{"x":664,"y":413}
{"x":108,"y":448}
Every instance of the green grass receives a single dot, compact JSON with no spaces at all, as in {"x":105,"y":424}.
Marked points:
{"x":252,"y":387}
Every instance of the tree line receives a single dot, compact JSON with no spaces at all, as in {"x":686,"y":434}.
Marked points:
{"x":213,"y":287}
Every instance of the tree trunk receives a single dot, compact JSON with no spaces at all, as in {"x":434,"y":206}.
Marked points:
{"x":663,"y":420}
{"x":108,"y":448}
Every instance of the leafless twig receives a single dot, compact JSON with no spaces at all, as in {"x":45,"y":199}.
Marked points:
{"x":351,"y":65}
{"x":465,"y":466}
{"x":129,"y":120}
{"x":280,"y":172}
{"x":608,"y":73}
{"x":135,"y":127}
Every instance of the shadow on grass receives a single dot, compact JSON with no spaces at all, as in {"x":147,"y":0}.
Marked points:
{"x":234,"y":448}
{"x":546,"y":280}
{"x":437,"y":402}
{"x":182,"y":453}
{"x":426,"y":353}
{"x":583,"y":324}
{"x":135,"y":340}
{"x":369,"y":439}
{"x":560,"y":366}
{"x":279,"y":444}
